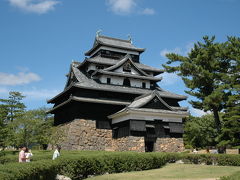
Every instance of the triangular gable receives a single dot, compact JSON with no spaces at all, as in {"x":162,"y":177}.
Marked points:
{"x":71,"y":76}
{"x":152,"y":100}
{"x":126,"y":60}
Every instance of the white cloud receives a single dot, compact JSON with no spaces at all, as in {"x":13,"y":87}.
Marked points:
{"x":33,"y":94}
{"x":121,"y":6}
{"x":198,"y":112}
{"x":148,"y":11}
{"x":35,"y":6}
{"x":178,"y":50}
{"x":125,"y":7}
{"x":18,"y":79}
{"x":170,"y":79}
{"x":40,"y":93}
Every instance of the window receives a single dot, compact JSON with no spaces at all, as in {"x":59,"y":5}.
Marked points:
{"x":126,"y":82}
{"x":108,"y":80}
{"x":143,"y":85}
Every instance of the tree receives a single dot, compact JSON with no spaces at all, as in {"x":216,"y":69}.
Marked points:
{"x":14,"y":105}
{"x":200,"y":132}
{"x":13,"y":109}
{"x":231,"y":124}
{"x":203,"y":71}
{"x":3,"y":126}
{"x":58,"y":135}
{"x":44,"y":128}
{"x":34,"y":127}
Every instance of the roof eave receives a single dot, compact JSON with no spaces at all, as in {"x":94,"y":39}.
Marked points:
{"x":129,"y":76}
{"x":60,"y":94}
{"x":88,"y":53}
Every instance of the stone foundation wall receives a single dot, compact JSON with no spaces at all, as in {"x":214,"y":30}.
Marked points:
{"x":169,"y":145}
{"x":82,"y":134}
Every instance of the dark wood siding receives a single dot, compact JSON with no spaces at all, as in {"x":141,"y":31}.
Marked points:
{"x":176,"y":128}
{"x":136,"y":125}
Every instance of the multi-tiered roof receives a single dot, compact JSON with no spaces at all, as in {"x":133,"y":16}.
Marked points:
{"x":112,"y":77}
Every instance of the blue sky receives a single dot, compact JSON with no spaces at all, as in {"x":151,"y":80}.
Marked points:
{"x":40,"y":38}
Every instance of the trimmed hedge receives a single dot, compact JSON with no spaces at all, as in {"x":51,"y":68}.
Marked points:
{"x":81,"y":164}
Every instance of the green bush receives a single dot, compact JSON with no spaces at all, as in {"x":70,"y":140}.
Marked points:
{"x":235,"y":176}
{"x":212,"y":159}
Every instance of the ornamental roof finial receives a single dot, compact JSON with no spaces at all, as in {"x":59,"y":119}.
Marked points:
{"x":98,"y":33}
{"x":130,"y":38}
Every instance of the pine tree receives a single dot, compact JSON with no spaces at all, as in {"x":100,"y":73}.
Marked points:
{"x":14,"y":109}
{"x":231,"y":126}
{"x":3,"y":126}
{"x":202,"y":71}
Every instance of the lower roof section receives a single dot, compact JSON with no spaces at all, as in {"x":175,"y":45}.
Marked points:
{"x":89,"y":100}
{"x":147,"y":114}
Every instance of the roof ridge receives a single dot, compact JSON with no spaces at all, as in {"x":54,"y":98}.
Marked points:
{"x":107,"y":37}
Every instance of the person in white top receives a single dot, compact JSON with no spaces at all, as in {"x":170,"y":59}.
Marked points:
{"x":56,"y":152}
{"x":28,"y":155}
{"x":22,"y":156}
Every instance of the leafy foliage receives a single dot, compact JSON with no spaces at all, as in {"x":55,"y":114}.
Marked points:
{"x":21,"y":127}
{"x":34,"y":126}
{"x":200,"y":132}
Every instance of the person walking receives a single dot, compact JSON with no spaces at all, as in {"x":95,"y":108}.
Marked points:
{"x":22,"y":156}
{"x":28,"y":154}
{"x":56,"y":153}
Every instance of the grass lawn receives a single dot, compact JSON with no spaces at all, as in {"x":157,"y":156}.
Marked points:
{"x":174,"y":172}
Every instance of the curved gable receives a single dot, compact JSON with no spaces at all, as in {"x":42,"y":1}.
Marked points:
{"x":124,"y":63}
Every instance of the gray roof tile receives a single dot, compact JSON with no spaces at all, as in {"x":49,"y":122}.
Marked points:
{"x":107,"y":61}
{"x":86,"y":82}
{"x":114,"y":42}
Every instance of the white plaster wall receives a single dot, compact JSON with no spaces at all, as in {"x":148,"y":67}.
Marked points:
{"x":91,"y":67}
{"x":119,"y":70}
{"x":134,"y":82}
{"x":138,"y":83}
{"x":103,"y":79}
{"x":117,"y":80}
{"x":133,"y":71}
{"x":114,"y":80}
{"x":147,"y":117}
